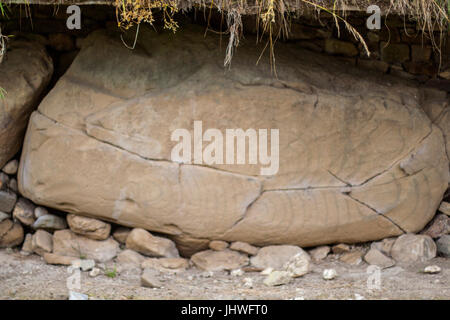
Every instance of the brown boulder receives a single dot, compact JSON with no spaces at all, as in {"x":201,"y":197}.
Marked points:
{"x":359,"y":159}
{"x":210,"y":260}
{"x":67,"y":243}
{"x":25,"y":72}
{"x":89,"y":227}
{"x":11,"y":234}
{"x":143,"y":242}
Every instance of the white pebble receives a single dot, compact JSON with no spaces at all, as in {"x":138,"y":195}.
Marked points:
{"x":248,"y":282}
{"x":329,"y":274}
{"x":237,"y":273}
{"x":432,"y":269}
{"x":94,"y":272}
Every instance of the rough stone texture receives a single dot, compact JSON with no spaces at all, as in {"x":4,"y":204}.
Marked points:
{"x":52,"y":258}
{"x":218,"y":245}
{"x":298,"y":265}
{"x":130,"y":257}
{"x":42,"y":242}
{"x":445,"y":208}
{"x":411,"y":248}
{"x":359,"y":158}
{"x":7,"y":200}
{"x":121,"y":234}
{"x":13,"y":186}
{"x":24,"y":212}
{"x":353,"y":258}
{"x":211,"y":260}
{"x":49,"y":222}
{"x":11,"y":233}
{"x":27,"y":245}
{"x":334,"y":46}
{"x":40,"y":211}
{"x":275,"y":257}
{"x":4,"y":216}
{"x":393,"y":52}
{"x":385,"y":246}
{"x":174,"y":263}
{"x":319,"y":253}
{"x":340,"y":248}
{"x":377,"y":258}
{"x":149,"y":279}
{"x":439,"y":226}
{"x":443,"y":246}
{"x":244,"y":248}
{"x":11,"y":167}
{"x":67,"y":243}
{"x":166,"y":264}
{"x":89,"y":227}
{"x":25,"y":72}
{"x":4,"y":180}
{"x":144,"y":242}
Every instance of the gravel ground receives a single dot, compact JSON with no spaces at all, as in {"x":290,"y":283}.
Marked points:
{"x":28,"y":277}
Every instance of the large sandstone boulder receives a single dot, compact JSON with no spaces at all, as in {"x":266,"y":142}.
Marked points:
{"x":359,"y":158}
{"x":24,"y":73}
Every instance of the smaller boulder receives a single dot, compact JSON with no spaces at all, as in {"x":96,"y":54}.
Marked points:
{"x":27,"y":246}
{"x":52,"y":258}
{"x":377,"y":258}
{"x":89,"y":227}
{"x":298,"y":265}
{"x":218,"y":245}
{"x":24,"y":211}
{"x":42,"y":242}
{"x":4,"y":216}
{"x":130,"y":257}
{"x":11,"y":234}
{"x":439,"y":226}
{"x":413,"y":248}
{"x":244,"y":248}
{"x":340,"y":248}
{"x":67,"y":243}
{"x":274,"y":256}
{"x":145,"y":243}
{"x":384,"y":246}
{"x":319,"y":253}
{"x":11,"y":167}
{"x":211,"y":260}
{"x":445,"y":208}
{"x":121,"y":234}
{"x":353,"y":258}
{"x":50,"y":222}
{"x":443,"y":246}
{"x":7,"y":200}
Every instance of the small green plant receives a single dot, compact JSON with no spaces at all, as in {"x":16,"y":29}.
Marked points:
{"x":2,"y":9}
{"x":2,"y":93}
{"x":111,"y":273}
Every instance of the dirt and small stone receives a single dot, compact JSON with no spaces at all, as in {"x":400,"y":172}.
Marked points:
{"x":22,"y":277}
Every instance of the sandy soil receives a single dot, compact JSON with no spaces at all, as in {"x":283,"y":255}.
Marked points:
{"x":28,"y":277}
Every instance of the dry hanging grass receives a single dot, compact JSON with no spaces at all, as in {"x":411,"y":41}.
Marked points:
{"x":273,"y":16}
